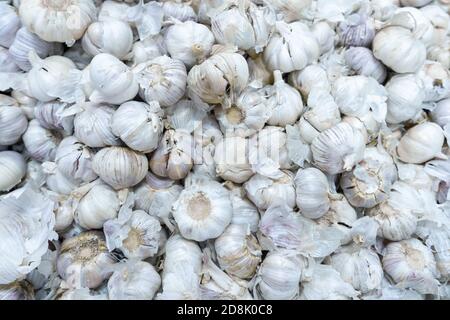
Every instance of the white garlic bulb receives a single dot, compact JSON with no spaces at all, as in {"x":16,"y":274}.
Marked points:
{"x":179,"y":10}
{"x":134,"y":280}
{"x":411,"y":265}
{"x":13,"y":168}
{"x":358,"y":30}
{"x":325,"y":35}
{"x":51,"y":115}
{"x":40,"y":143}
{"x":414,"y":3}
{"x":398,"y":49}
{"x":162,"y":79}
{"x":440,"y":54}
{"x":111,"y":36}
{"x":99,"y":204}
{"x":189,"y":42}
{"x":292,"y":47}
{"x":26,"y":41}
{"x":9,"y":24}
{"x":367,"y":124}
{"x":383,"y":10}
{"x":231,"y":158}
{"x":416,"y":21}
{"x":405,"y":98}
{"x":440,"y":113}
{"x":244,"y":212}
{"x":265,"y":192}
{"x":56,"y":181}
{"x":57,"y":20}
{"x":148,"y":49}
{"x":7,"y":63}
{"x":84,"y":260}
{"x":203,"y":211}
{"x":22,"y":290}
{"x":313,"y":76}
{"x":338,"y":149}
{"x":92,"y":125}
{"x":74,"y":160}
{"x":260,"y":75}
{"x":370,"y":181}
{"x":421,"y":143}
{"x":363,"y":62}
{"x":13,"y":122}
{"x":139,"y":125}
{"x":238,"y":251}
{"x":313,"y":195}
{"x":436,"y":81}
{"x":120,"y":167}
{"x":26,"y":103}
{"x":116,"y":10}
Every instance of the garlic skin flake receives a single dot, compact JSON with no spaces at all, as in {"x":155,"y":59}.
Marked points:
{"x":203,"y":211}
{"x":13,"y":168}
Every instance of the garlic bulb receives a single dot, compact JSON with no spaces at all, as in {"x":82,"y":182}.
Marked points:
{"x":421,"y":143}
{"x":179,"y":10}
{"x":440,"y":113}
{"x":325,"y":35}
{"x":279,"y":276}
{"x":148,"y":49}
{"x":440,"y":54}
{"x":40,"y":143}
{"x":313,"y":195}
{"x":13,"y":168}
{"x":398,"y":49}
{"x":238,"y":251}
{"x":84,"y":261}
{"x":363,"y":62}
{"x":265,"y":192}
{"x":7,"y":63}
{"x":26,"y":103}
{"x":260,"y":75}
{"x":411,"y":265}
{"x":120,"y":167}
{"x":99,"y":204}
{"x":56,"y":181}
{"x":134,"y":281}
{"x":26,"y":41}
{"x":436,"y":81}
{"x":357,"y":31}
{"x":146,"y":125}
{"x":17,"y":291}
{"x":74,"y":160}
{"x":189,"y":42}
{"x":115,"y":10}
{"x":366,"y":124}
{"x":313,"y":76}
{"x":9,"y":24}
{"x":291,"y":10}
{"x":162,"y":79}
{"x":231,"y":158}
{"x":405,"y":98}
{"x":203,"y":211}
{"x":111,"y":36}
{"x":244,"y":212}
{"x":57,"y":21}
{"x":371,"y":180}
{"x":77,"y":54}
{"x":13,"y":123}
{"x":135,"y":233}
{"x":414,"y":3}
{"x":51,"y":115}
{"x":338,"y":149}
{"x":219,"y":79}
{"x":292,"y":47}
{"x":26,"y":222}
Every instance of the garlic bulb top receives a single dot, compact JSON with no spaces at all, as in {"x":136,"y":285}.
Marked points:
{"x":13,"y":168}
{"x":203,"y":211}
{"x":9,"y":24}
{"x":58,"y":20}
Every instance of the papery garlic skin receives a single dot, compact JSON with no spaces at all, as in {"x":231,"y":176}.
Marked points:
{"x":435,"y":79}
{"x":13,"y":168}
{"x":244,"y":212}
{"x":357,"y":31}
{"x":325,"y":35}
{"x":84,"y":261}
{"x":148,"y":49}
{"x":22,"y":290}
{"x":13,"y":124}
{"x":179,"y":10}
{"x":260,"y":75}
{"x":291,"y":10}
{"x":134,"y":281}
{"x":57,"y":21}
{"x":9,"y":24}
{"x":26,"y":102}
{"x":238,"y":251}
{"x":338,"y":149}
{"x":363,"y":62}
{"x":411,"y":264}
{"x":40,"y":143}
{"x":421,"y":143}
{"x":7,"y":63}
{"x":313,"y":76}
{"x":139,"y":125}
{"x":203,"y":211}
{"x":120,"y":167}
{"x":51,"y":115}
{"x":441,"y":113}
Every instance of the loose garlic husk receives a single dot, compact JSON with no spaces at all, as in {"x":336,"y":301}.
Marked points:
{"x":421,"y":143}
{"x":363,"y":62}
{"x":58,"y":20}
{"x":40,"y":143}
{"x":313,"y":76}
{"x":134,"y":280}
{"x":92,"y":125}
{"x":370,"y":182}
{"x":9,"y":24}
{"x":189,"y":42}
{"x":120,"y":167}
{"x":231,"y":158}
{"x":13,"y":168}
{"x":265,"y":192}
{"x":111,"y":36}
{"x":74,"y":160}
{"x":411,"y":265}
{"x":405,"y":98}
{"x":313,"y":195}
{"x":84,"y":261}
{"x":51,"y":115}
{"x":203,"y":211}
{"x":338,"y":149}
{"x":435,"y":79}
{"x":13,"y":122}
{"x":292,"y":47}
{"x":162,"y":79}
{"x":139,"y":125}
{"x":238,"y":251}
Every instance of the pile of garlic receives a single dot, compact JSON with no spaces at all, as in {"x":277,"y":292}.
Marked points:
{"x":224,"y":149}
